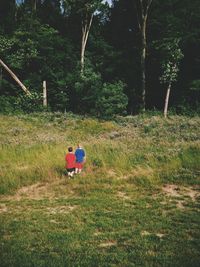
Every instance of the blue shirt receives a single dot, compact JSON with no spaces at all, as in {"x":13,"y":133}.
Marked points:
{"x":80,"y":154}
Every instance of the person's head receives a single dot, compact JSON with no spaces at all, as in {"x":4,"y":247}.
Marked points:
{"x":70,"y":149}
{"x":79,"y":145}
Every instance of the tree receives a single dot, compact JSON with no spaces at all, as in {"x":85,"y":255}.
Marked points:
{"x":170,"y":65}
{"x":86,"y":9}
{"x":142,"y":9}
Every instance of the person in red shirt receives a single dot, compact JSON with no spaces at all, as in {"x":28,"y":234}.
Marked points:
{"x":70,"y":162}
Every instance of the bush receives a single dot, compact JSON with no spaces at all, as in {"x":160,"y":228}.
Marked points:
{"x":30,"y":103}
{"x":112,"y":101}
{"x":8,"y":104}
{"x":87,"y":89}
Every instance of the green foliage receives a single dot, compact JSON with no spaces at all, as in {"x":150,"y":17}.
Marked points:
{"x":87,"y":87}
{"x":172,"y":56}
{"x":8,"y":104}
{"x":61,"y":101}
{"x":30,"y":103}
{"x":30,"y":52}
{"x":112,"y":100}
{"x":195,"y":85}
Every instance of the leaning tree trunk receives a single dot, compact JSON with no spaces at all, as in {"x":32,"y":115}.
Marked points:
{"x":15,"y":78}
{"x":167,"y":100}
{"x":86,"y":25}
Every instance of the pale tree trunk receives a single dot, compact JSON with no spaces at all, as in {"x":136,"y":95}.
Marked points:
{"x":15,"y":78}
{"x":86,"y":25}
{"x":142,"y":9}
{"x":44,"y":93}
{"x":167,"y":100}
{"x":34,"y":5}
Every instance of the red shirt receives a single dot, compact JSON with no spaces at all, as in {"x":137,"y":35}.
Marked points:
{"x":70,"y":160}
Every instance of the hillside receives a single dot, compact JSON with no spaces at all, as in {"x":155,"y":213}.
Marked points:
{"x":135,"y":204}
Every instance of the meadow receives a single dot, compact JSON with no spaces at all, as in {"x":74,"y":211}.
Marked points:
{"x":135,"y":204}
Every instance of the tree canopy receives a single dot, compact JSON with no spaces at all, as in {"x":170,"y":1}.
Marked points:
{"x":53,"y":40}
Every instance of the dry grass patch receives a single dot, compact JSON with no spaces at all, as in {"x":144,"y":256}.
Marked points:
{"x":172,"y":190}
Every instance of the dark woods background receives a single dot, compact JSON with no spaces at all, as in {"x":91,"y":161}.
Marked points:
{"x":41,"y":40}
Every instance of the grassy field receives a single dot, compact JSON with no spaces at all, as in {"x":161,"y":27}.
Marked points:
{"x":135,"y":204}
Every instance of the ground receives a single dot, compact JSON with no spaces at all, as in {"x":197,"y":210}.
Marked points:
{"x":135,"y":204}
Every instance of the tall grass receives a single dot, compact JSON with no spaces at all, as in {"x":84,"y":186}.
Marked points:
{"x":32,"y":148}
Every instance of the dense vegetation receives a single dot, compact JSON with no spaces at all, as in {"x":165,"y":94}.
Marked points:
{"x":135,"y":204}
{"x":41,"y":40}
{"x":111,"y":68}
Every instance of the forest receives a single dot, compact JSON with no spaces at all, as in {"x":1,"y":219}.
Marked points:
{"x":100,"y":58}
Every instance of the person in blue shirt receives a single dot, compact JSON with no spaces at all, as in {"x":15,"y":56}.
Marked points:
{"x":80,"y":158}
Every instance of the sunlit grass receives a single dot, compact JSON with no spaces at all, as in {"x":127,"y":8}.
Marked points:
{"x":116,"y":213}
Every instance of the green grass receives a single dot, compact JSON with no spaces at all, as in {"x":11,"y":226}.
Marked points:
{"x":135,"y":204}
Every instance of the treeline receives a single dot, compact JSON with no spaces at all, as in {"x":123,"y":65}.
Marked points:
{"x":101,"y":59}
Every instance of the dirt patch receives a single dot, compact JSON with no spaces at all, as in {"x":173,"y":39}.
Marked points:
{"x":3,"y":208}
{"x":7,"y":237}
{"x":123,"y":195}
{"x":179,"y":204}
{"x":160,"y":235}
{"x":172,"y":190}
{"x":36,"y":191}
{"x":97,"y":233}
{"x":145,"y":233}
{"x":109,"y":243}
{"x":39,"y":191}
{"x":60,"y":209}
{"x":111,"y":173}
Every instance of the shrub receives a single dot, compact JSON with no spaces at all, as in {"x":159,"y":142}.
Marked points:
{"x":112,"y":101}
{"x":30,"y":103}
{"x":8,"y":104}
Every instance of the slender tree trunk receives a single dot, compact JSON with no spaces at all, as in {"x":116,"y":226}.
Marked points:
{"x":142,"y":60}
{"x":167,"y":100}
{"x":15,"y":78}
{"x":44,"y":93}
{"x":86,"y":25}
{"x":142,"y":11}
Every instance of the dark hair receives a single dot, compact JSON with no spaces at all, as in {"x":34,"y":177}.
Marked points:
{"x":70,"y":149}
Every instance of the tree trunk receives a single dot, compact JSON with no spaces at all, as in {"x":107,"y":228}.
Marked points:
{"x":15,"y":78}
{"x":86,"y":25}
{"x":142,"y":60}
{"x":142,"y":11}
{"x":44,"y":94}
{"x":167,"y":100}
